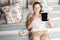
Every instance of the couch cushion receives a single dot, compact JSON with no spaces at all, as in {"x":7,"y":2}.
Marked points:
{"x":13,"y":13}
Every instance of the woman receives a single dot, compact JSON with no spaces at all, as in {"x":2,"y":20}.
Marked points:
{"x":35,"y":26}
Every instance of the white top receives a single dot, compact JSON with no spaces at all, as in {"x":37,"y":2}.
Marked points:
{"x":38,"y":25}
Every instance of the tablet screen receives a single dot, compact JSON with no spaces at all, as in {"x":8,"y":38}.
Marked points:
{"x":44,"y":16}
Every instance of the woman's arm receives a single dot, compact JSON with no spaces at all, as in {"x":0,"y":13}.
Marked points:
{"x":29,"y":22}
{"x":49,"y":22}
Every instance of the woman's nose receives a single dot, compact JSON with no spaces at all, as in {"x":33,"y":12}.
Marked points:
{"x":36,"y":9}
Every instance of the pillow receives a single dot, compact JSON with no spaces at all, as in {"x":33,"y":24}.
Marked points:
{"x":13,"y":13}
{"x":5,"y":8}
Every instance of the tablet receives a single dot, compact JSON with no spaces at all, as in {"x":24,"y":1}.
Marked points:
{"x":44,"y":16}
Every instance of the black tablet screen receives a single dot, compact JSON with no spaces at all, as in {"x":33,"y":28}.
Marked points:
{"x":44,"y":16}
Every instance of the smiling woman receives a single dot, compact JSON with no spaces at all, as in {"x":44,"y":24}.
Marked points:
{"x":37,"y":27}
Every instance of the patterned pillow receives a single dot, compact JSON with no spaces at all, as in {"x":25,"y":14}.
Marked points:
{"x":13,"y":13}
{"x":5,"y":8}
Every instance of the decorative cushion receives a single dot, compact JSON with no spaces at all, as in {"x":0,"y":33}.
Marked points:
{"x":13,"y":13}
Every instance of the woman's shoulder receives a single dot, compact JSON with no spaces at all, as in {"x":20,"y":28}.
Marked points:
{"x":30,"y":14}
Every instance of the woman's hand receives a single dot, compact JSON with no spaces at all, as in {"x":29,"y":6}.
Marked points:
{"x":49,"y":22}
{"x":23,"y":33}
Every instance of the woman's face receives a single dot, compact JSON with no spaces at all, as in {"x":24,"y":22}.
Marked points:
{"x":37,"y":8}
